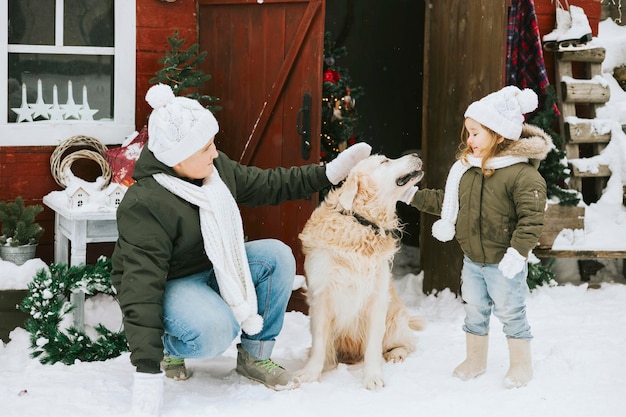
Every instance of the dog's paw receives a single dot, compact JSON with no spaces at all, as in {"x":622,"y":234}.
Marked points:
{"x":307,"y":375}
{"x":373,"y":382}
{"x":396,"y":355}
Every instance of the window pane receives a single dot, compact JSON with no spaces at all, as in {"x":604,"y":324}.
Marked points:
{"x":88,"y":23}
{"x":31,"y":22}
{"x":95,"y":72}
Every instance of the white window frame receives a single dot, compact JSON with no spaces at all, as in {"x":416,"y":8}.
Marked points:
{"x":51,"y":133}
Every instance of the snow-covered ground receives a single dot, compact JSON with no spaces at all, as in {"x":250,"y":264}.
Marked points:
{"x":579,"y":364}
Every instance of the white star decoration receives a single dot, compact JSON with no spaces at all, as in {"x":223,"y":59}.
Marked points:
{"x":56,"y":112}
{"x":24,"y":113}
{"x":71,"y":108}
{"x":31,"y":112}
{"x":40,"y":108}
{"x":85,"y":112}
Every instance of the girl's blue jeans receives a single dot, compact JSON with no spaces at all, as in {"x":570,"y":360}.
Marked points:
{"x":485,"y":290}
{"x":199,"y":324}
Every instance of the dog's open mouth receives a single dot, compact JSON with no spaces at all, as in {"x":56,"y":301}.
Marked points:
{"x":403,"y":180}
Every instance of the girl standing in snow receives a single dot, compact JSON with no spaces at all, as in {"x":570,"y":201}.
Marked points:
{"x":186,"y":281}
{"x":493,"y":204}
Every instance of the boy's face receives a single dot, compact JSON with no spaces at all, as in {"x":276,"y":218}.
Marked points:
{"x":200,"y":164}
{"x":479,"y":139}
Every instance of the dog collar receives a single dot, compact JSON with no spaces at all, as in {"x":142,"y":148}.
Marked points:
{"x":367,"y":223}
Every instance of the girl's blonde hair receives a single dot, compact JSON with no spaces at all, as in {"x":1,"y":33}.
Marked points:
{"x":494,"y":148}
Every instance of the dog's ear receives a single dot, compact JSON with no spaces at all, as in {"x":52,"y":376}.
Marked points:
{"x":348,"y":192}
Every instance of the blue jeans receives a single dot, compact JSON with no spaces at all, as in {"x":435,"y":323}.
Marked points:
{"x":199,"y":324}
{"x":485,"y":289}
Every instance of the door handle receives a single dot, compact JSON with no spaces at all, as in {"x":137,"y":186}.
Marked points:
{"x":303,"y":125}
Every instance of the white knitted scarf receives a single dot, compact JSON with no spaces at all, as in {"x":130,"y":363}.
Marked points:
{"x":222,"y":233}
{"x":444,"y":229}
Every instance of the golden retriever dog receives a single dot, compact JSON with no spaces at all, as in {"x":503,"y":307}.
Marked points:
{"x":349,"y":243}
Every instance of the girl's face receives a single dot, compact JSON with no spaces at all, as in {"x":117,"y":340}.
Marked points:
{"x":479,"y":139}
{"x":199,"y":165}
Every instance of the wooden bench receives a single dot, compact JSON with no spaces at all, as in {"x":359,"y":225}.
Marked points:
{"x":560,"y":217}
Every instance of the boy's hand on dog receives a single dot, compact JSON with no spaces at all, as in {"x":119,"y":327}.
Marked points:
{"x":339,"y":168}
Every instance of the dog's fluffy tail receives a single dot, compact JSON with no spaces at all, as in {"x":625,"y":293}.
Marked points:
{"x":417,"y":323}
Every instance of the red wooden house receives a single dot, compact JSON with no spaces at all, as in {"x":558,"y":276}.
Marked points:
{"x":263,"y":55}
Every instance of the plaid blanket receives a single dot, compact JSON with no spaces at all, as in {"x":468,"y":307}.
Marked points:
{"x":525,"y":67}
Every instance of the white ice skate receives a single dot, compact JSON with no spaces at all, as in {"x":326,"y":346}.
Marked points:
{"x":580,"y":31}
{"x":572,"y":29}
{"x":563,"y":24}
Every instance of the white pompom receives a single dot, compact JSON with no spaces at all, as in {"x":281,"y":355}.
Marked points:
{"x":252,"y":325}
{"x":241,"y":311}
{"x":527,"y":100}
{"x":159,"y":95}
{"x":443,"y":230}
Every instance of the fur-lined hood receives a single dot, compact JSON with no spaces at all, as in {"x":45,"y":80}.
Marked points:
{"x":534,"y":143}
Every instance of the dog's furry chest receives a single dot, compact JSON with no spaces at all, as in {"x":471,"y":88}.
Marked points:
{"x":341,"y":233}
{"x":346,"y":282}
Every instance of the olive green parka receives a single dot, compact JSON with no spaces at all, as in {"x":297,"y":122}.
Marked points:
{"x":160,"y":238}
{"x":503,"y":210}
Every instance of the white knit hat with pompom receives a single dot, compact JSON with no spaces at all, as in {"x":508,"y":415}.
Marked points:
{"x":503,"y":111}
{"x":178,"y":127}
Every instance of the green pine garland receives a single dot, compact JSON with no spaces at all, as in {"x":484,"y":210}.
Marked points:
{"x":540,"y":274}
{"x":47,"y":305}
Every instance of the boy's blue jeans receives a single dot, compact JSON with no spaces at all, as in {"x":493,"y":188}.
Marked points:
{"x":485,"y":290}
{"x":199,"y":324}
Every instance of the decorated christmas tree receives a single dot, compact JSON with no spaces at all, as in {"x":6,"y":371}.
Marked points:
{"x":554,"y":168}
{"x":339,"y":97}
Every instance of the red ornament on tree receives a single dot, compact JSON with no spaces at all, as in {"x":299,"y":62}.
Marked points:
{"x":331,"y":76}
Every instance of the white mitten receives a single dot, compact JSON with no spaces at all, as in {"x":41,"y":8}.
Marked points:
{"x":512,"y":263}
{"x":409,"y":193}
{"x":147,"y":394}
{"x":339,"y":168}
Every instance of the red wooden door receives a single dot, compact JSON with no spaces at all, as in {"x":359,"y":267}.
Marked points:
{"x":264,"y":56}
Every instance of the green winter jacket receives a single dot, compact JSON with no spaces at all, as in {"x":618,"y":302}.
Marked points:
{"x":160,"y":239}
{"x":502,"y":211}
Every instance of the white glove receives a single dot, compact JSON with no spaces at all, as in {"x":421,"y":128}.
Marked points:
{"x":512,"y":263}
{"x":409,"y":193}
{"x":339,"y":168}
{"x":147,"y":394}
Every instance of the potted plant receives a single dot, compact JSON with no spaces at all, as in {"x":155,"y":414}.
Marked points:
{"x":20,"y":232}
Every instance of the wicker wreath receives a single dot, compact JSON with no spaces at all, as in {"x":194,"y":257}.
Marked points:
{"x":60,"y":163}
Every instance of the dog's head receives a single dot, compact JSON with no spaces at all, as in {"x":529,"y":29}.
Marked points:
{"x":379,"y":181}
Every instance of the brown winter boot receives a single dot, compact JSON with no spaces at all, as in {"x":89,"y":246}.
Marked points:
{"x":476,"y":361}
{"x":521,"y":367}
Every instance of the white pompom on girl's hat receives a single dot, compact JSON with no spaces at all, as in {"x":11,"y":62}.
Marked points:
{"x":503,"y":111}
{"x":178,"y":127}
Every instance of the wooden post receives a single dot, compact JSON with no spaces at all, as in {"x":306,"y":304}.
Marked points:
{"x":463,"y":62}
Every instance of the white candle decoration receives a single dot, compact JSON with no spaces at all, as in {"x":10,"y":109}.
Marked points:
{"x":24,"y":113}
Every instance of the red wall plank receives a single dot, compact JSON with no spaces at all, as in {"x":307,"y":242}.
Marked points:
{"x":156,"y":21}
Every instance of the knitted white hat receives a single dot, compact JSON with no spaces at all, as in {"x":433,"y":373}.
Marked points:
{"x":503,"y":111}
{"x":178,"y":126}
